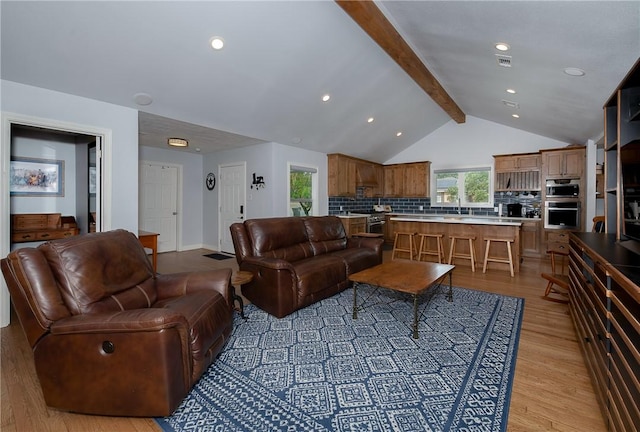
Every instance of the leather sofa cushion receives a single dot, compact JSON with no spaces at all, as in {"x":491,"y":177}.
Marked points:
{"x":318,"y":274}
{"x":357,"y":259}
{"x":283,"y":238}
{"x":94,"y":272}
{"x":325,"y":234}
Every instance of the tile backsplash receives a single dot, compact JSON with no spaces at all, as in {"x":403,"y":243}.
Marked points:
{"x":338,"y":205}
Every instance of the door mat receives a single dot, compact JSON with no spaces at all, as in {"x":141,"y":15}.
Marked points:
{"x":218,"y":256}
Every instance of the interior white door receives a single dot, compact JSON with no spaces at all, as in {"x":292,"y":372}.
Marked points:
{"x":231,"y":195}
{"x":158,"y":203}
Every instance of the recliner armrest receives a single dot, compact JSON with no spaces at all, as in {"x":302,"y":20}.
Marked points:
{"x":178,"y":284}
{"x":150,"y":319}
{"x":269,"y":263}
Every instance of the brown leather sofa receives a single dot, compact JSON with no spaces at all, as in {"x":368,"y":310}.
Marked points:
{"x":109,"y":336}
{"x":297,"y":261}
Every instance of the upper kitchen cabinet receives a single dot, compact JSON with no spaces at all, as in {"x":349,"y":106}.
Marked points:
{"x":407,"y":180}
{"x":563,"y":163}
{"x":393,"y":180}
{"x":517,"y":162}
{"x":342,"y":175}
{"x":347,"y":173}
{"x":517,"y":172}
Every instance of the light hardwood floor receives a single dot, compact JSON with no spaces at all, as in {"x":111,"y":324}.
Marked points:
{"x":552,"y":388}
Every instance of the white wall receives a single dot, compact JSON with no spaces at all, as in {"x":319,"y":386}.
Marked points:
{"x":119,"y":124}
{"x":472,"y":144}
{"x":192,"y":190}
{"x":270,"y":161}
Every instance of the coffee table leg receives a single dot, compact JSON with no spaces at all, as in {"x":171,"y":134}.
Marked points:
{"x":415,"y":316}
{"x":450,"y":295}
{"x":355,"y":299}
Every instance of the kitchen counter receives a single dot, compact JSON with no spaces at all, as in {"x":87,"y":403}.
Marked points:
{"x":351,"y":215}
{"x":461,"y":219}
{"x":480,"y":227}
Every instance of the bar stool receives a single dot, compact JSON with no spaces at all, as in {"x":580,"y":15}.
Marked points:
{"x":424,"y":250}
{"x":472,"y":253}
{"x":410,"y":250}
{"x":500,"y":260}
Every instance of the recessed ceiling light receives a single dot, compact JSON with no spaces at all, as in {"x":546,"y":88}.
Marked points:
{"x":326,"y":98}
{"x":501,"y":46}
{"x":515,"y":116}
{"x":574,"y":71}
{"x":512,"y":91}
{"x":178,"y":142}
{"x":370,"y":120}
{"x":143,"y":99}
{"x":399,"y":134}
{"x":217,"y":43}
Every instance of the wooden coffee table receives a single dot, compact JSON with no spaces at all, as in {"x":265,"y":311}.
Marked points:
{"x":410,"y":277}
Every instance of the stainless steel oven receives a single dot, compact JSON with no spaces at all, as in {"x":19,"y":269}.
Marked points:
{"x":375,"y":223}
{"x":562,"y":214}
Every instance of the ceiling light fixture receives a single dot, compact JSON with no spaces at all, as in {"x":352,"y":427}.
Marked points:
{"x":326,"y":98}
{"x":178,"y":142}
{"x":370,"y":120}
{"x":399,"y":134}
{"x":501,"y":46}
{"x":515,"y":116}
{"x":512,"y":91}
{"x":573,"y":71}
{"x":217,"y":43}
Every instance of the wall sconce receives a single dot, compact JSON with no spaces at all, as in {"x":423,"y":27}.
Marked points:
{"x":258,"y":182}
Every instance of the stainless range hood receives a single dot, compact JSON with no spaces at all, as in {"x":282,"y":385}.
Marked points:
{"x":366,"y":175}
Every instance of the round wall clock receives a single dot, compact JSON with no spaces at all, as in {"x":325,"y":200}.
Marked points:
{"x":210,"y":181}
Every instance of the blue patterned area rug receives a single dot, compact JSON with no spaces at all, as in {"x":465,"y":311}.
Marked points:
{"x":320,"y":370}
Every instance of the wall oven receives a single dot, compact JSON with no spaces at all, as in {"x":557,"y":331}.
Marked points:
{"x":562,"y":215}
{"x":563,"y":188}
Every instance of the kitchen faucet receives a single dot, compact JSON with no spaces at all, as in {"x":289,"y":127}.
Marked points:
{"x":459,"y":208}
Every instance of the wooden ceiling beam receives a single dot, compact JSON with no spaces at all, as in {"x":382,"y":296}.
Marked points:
{"x":371,"y":19}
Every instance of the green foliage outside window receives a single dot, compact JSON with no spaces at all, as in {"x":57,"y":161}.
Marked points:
{"x":300,"y":187}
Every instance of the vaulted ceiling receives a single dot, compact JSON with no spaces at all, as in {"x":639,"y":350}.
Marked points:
{"x":280,"y":58}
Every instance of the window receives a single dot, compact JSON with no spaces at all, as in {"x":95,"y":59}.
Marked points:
{"x":469,"y":187}
{"x":303,"y":189}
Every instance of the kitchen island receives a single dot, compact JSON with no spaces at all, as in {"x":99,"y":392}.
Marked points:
{"x":479,"y":226}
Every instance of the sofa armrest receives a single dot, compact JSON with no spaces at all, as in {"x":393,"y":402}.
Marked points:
{"x":135,"y":320}
{"x":371,"y":243}
{"x":269,"y":263}
{"x":178,"y":284}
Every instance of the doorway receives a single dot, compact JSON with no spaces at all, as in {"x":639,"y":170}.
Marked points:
{"x":103,"y":174}
{"x":231,"y":197}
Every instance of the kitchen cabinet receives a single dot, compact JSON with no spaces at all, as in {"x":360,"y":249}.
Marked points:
{"x":604,"y":300}
{"x":563,"y":163}
{"x":393,"y":180}
{"x":517,"y":162}
{"x":353,"y":225}
{"x":531,"y":238}
{"x":517,"y":172}
{"x":407,"y":180}
{"x":557,"y":240}
{"x":346,"y":174}
{"x":341,"y":175}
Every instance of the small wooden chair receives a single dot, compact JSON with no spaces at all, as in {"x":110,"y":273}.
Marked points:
{"x":557,"y":280}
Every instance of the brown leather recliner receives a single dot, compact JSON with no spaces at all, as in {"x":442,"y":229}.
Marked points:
{"x":108,"y":336}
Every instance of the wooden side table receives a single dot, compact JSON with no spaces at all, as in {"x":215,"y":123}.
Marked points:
{"x":237,"y":280}
{"x":150,"y":240}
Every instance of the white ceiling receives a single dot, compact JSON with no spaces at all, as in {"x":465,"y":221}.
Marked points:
{"x":281,"y":57}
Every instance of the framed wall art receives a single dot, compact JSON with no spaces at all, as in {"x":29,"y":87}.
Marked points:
{"x":36,"y":177}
